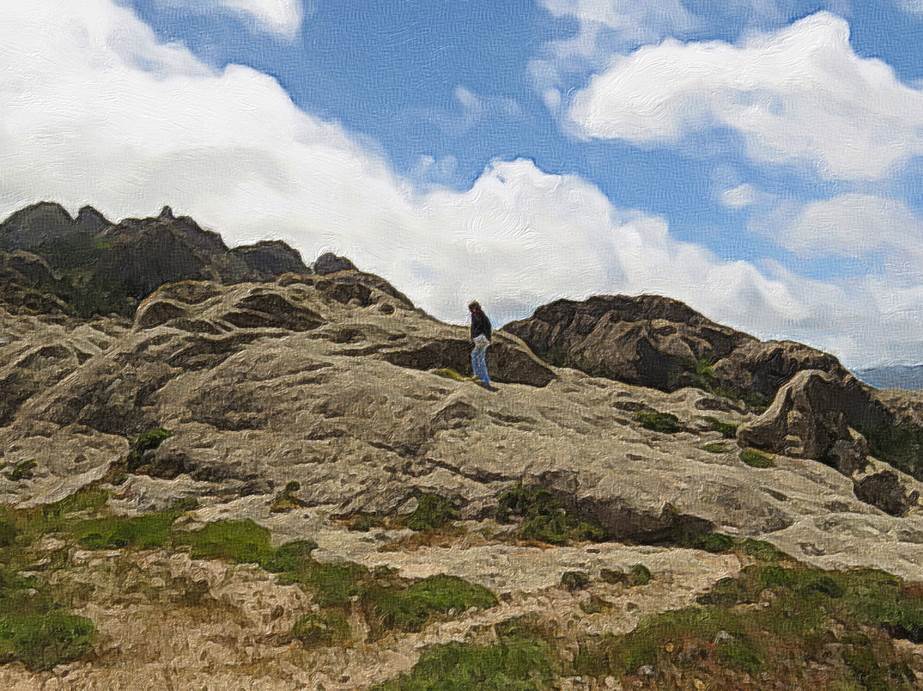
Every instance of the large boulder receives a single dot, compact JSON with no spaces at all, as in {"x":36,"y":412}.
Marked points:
{"x":886,"y":491}
{"x":330,"y":263}
{"x":809,"y":418}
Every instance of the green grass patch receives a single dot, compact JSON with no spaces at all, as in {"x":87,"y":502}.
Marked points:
{"x":728,"y":430}
{"x":410,"y":608}
{"x":544,"y":517}
{"x":665,"y":423}
{"x":813,"y":617}
{"x":150,"y":531}
{"x":43,"y":641}
{"x":243,"y":542}
{"x":756,"y":459}
{"x":332,"y":584}
{"x":432,"y":513}
{"x":716,"y":447}
{"x":386,"y":600}
{"x":511,"y":664}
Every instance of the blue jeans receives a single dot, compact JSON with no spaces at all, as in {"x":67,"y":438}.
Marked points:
{"x":479,"y":362}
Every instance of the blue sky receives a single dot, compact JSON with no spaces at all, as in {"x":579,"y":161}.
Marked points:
{"x":390,"y":71}
{"x":507,"y":148}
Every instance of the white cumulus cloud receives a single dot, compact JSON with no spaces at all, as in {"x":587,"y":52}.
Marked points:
{"x":280,"y":17}
{"x":799,"y":95}
{"x":855,"y":225}
{"x":94,"y":109}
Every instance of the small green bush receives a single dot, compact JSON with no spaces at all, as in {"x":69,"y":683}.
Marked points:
{"x":326,"y":628}
{"x":575,"y":580}
{"x":148,"y":441}
{"x":716,"y":447}
{"x":716,"y":543}
{"x":613,"y":576}
{"x":728,"y":430}
{"x":666,"y":423}
{"x":639,"y":574}
{"x":432,"y":512}
{"x":23,"y":470}
{"x":762,"y":550}
{"x":756,"y":459}
{"x":544,"y":517}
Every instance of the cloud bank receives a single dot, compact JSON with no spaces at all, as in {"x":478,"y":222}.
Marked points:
{"x":799,"y":95}
{"x":95,"y":109}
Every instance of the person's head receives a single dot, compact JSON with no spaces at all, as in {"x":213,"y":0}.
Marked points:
{"x":475,"y":306}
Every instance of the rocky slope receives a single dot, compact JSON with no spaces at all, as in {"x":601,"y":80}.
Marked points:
{"x":190,"y":448}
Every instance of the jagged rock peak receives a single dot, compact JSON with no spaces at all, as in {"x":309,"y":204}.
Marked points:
{"x":91,"y":220}
{"x":166,"y":214}
{"x":34,"y":225}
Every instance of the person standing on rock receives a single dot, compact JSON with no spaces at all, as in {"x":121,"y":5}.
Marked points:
{"x":480,"y":335}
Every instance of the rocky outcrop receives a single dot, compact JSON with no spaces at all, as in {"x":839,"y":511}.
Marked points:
{"x":647,"y":340}
{"x":809,"y":418}
{"x":662,"y":343}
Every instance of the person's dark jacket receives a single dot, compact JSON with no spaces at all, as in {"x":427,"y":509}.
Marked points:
{"x":480,"y":325}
